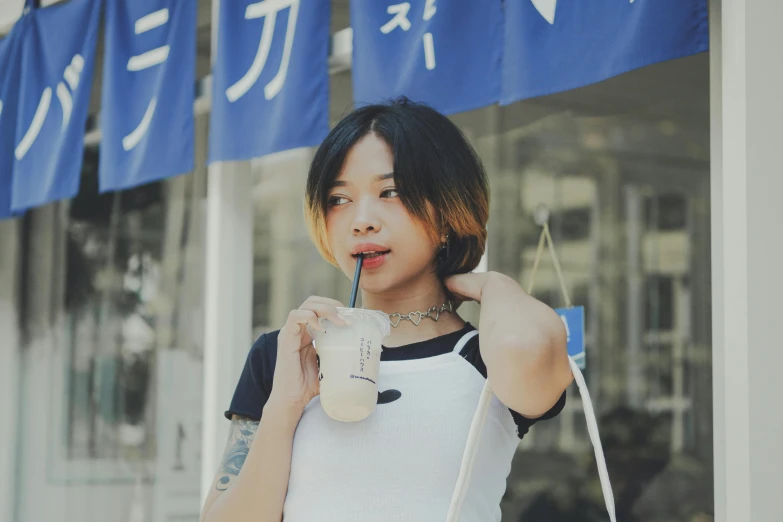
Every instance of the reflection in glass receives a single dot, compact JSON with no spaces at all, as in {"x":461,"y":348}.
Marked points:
{"x":126,"y":386}
{"x":113,"y":281}
{"x":629,"y":209}
{"x":624,"y":171}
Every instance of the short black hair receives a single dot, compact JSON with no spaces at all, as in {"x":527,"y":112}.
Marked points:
{"x":433,"y":161}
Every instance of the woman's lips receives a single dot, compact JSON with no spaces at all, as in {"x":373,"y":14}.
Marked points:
{"x":374,"y":262}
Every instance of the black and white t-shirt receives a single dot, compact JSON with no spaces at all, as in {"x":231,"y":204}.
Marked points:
{"x":402,"y":462}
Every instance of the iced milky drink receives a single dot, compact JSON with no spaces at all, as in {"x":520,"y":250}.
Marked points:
{"x":349,"y":360}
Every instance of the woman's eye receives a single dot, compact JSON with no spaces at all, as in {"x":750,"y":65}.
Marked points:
{"x":390,"y":193}
{"x":335,"y":201}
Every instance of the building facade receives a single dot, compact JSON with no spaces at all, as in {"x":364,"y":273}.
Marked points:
{"x":126,"y":317}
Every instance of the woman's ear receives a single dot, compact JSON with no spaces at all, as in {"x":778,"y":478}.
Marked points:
{"x":444,"y":236}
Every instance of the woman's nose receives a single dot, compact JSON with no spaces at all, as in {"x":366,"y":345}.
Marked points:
{"x":366,"y":219}
{"x":362,"y":228}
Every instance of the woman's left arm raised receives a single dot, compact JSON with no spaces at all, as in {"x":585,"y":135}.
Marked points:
{"x":522,"y":342}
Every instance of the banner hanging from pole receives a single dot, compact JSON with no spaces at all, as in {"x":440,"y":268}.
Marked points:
{"x":270,"y":88}
{"x":10,"y":62}
{"x":446,"y":54}
{"x":553,"y":46}
{"x":148,"y":92}
{"x":58,"y":56}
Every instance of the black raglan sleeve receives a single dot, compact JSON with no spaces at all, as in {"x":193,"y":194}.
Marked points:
{"x":255,"y":383}
{"x":472,"y":354}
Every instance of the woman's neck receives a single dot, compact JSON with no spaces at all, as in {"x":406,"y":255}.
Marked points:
{"x":418,"y":299}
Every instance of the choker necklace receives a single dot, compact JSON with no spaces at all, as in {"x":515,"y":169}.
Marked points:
{"x":416,"y":317}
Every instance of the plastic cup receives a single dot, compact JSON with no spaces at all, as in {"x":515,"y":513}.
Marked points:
{"x":349,"y":360}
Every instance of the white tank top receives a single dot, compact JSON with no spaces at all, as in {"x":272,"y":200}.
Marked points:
{"x":402,"y":464}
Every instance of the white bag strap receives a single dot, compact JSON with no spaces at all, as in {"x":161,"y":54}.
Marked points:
{"x":595,"y":439}
{"x":463,"y":341}
{"x":477,"y":425}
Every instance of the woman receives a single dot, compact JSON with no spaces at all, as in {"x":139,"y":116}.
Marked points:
{"x":400,"y":184}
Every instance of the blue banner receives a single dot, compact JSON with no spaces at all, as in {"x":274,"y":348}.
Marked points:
{"x":10,"y":61}
{"x":553,"y":46}
{"x":447,"y":54}
{"x":58,"y":55}
{"x":148,"y":91}
{"x":574,"y":320}
{"x":271,"y":78}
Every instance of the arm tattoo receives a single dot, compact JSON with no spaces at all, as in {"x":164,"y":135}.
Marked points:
{"x":243,"y":430}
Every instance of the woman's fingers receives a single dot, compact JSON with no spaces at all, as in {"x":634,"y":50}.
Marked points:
{"x":327,"y":311}
{"x":309,"y":314}
{"x":311,"y":362}
{"x":299,"y":319}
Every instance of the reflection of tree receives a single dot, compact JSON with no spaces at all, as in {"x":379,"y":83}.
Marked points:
{"x":81,"y":269}
{"x":134,"y":379}
{"x":565,"y":503}
{"x":511,"y":229}
{"x":681,"y":491}
{"x":636,"y":446}
{"x":594,"y":173}
{"x":112,"y":248}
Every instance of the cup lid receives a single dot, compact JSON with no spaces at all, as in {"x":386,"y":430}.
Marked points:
{"x":375,"y":317}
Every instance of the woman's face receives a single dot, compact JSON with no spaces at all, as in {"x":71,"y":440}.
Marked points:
{"x":365,"y":214}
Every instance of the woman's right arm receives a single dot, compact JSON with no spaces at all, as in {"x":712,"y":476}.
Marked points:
{"x":252,"y":480}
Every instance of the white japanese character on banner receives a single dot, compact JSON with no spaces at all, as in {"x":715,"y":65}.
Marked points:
{"x":72,"y":76}
{"x":1,"y":107}
{"x":400,"y":19}
{"x":144,"y":61}
{"x":268,"y":10}
{"x":400,"y":12}
{"x":547,"y":8}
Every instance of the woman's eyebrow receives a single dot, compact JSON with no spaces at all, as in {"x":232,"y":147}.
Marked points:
{"x":378,"y":178}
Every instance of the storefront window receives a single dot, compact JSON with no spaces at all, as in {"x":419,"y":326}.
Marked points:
{"x":623,"y":168}
{"x":113,"y":269}
{"x":288,"y":268}
{"x":112,"y":320}
{"x":111,"y":406}
{"x":628,"y":194}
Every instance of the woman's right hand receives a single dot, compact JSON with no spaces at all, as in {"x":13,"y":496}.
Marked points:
{"x":296,"y":381}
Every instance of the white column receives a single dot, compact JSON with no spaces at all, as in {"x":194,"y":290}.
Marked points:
{"x":228,"y":302}
{"x":10,"y":11}
{"x":228,"y":294}
{"x":10,"y":365}
{"x":634,"y":365}
{"x":747,"y":281}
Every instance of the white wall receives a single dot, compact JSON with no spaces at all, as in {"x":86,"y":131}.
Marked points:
{"x":10,"y":10}
{"x":747,"y":282}
{"x":9,"y":362}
